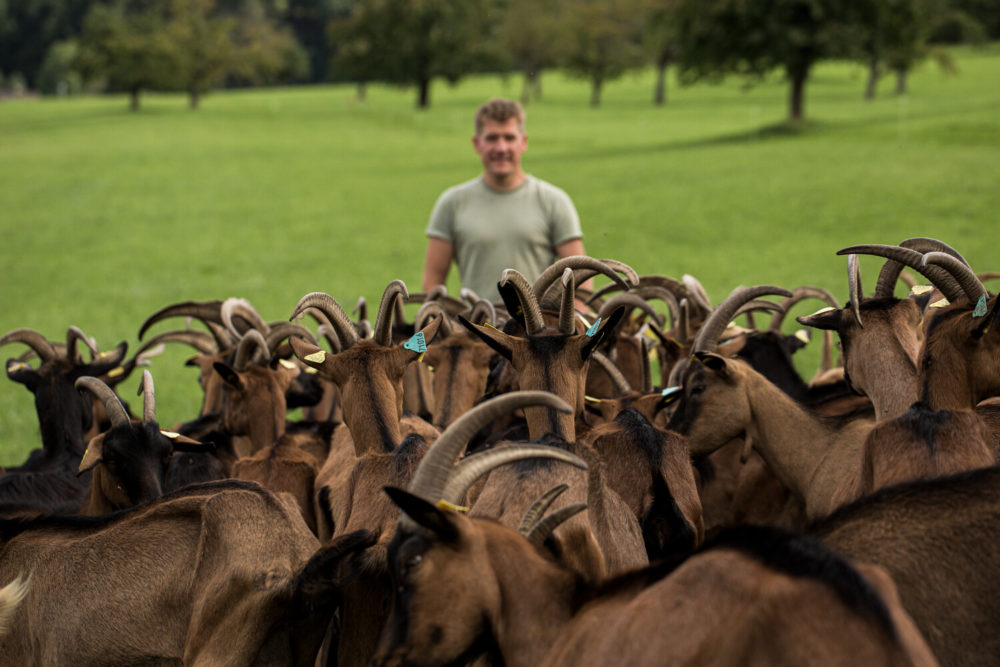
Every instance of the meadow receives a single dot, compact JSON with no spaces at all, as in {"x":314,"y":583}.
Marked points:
{"x":268,"y":194}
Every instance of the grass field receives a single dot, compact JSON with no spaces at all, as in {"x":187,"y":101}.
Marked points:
{"x":269,"y":194}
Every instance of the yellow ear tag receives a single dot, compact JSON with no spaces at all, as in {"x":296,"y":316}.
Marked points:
{"x":316,"y":357}
{"x":420,"y":359}
{"x":311,"y":371}
{"x":115,"y":372}
{"x":487,"y":324}
{"x":921,"y":289}
{"x":591,"y":399}
{"x":287,"y":364}
{"x":803,"y":335}
{"x":83,"y":458}
{"x":940,"y":304}
{"x":169,"y":434}
{"x":445,"y":505}
{"x":17,"y":366}
{"x":101,"y":355}
{"x":823,"y":310}
{"x":583,"y":319}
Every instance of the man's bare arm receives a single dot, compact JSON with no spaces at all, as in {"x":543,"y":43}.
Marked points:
{"x":437,"y":263}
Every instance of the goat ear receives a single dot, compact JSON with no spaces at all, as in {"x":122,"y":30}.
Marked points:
{"x":606,"y":328}
{"x":424,"y":513}
{"x":431,"y":329}
{"x":512,"y":302}
{"x":495,"y":338}
{"x":991,"y":319}
{"x":712,"y":361}
{"x":228,"y":375}
{"x":319,"y":583}
{"x":93,"y":455}
{"x":23,"y":373}
{"x":308,"y":353}
{"x":827,"y":318}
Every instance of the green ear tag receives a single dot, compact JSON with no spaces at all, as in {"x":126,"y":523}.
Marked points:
{"x":980,"y":310}
{"x":593,"y":328}
{"x":416,"y":343}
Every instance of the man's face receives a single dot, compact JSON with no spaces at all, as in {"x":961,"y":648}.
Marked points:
{"x":500,"y":146}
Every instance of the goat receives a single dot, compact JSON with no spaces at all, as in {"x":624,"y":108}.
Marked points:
{"x":218,"y":574}
{"x":468,"y":587}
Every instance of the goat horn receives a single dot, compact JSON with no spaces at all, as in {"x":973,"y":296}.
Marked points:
{"x":887,"y":277}
{"x":708,"y":334}
{"x":567,"y":307}
{"x":383,"y":321}
{"x":282,"y":330}
{"x":966,"y":278}
{"x":336,"y":317}
{"x":855,"y":292}
{"x":206,"y":311}
{"x":483,"y":311}
{"x":36,"y":341}
{"x":199,"y":340}
{"x":468,"y":470}
{"x":432,"y":474}
{"x":539,"y":508}
{"x":631,"y":300}
{"x":361,"y":308}
{"x":544,"y":528}
{"x":913,"y":259}
{"x":73,"y":334}
{"x":756,"y":306}
{"x":555,"y":271}
{"x":112,"y":404}
{"x":148,"y":398}
{"x":533,"y":322}
{"x":252,"y":343}
{"x":469,"y":296}
{"x":429,"y":310}
{"x":799,"y":294}
{"x":235,"y":307}
{"x":617,"y":377}
{"x":697,"y":293}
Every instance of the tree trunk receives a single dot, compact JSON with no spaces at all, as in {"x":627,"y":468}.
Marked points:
{"x":901,"y":73}
{"x":873,"y":76}
{"x":595,"y":91}
{"x":532,"y":87}
{"x":133,"y":98}
{"x":194,"y":99}
{"x":660,"y":92}
{"x":423,"y":93}
{"x":361,"y":92}
{"x":796,"y":102}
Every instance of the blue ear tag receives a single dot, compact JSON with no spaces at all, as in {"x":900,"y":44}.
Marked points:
{"x":980,"y":310}
{"x":593,"y":328}
{"x":416,"y":343}
{"x":669,"y":391}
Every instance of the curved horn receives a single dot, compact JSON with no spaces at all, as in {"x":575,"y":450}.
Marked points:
{"x":555,"y":271}
{"x":698,"y":295}
{"x":432,"y":309}
{"x":631,"y":300}
{"x":206,"y":311}
{"x":617,"y":377}
{"x":148,"y":398}
{"x":383,"y":321}
{"x":799,"y":294}
{"x":533,"y":322}
{"x":236,"y":307}
{"x":73,"y":334}
{"x":468,"y":470}
{"x":913,"y":259}
{"x":199,"y":340}
{"x":336,"y":317}
{"x":431,"y":476}
{"x":855,"y":293}
{"x":544,"y":528}
{"x":708,"y":334}
{"x":252,"y":347}
{"x":567,"y":307}
{"x":887,"y":277}
{"x":36,"y":341}
{"x":112,"y":404}
{"x":539,"y":508}
{"x":469,"y":296}
{"x":483,"y":312}
{"x":282,"y":330}
{"x":970,"y":283}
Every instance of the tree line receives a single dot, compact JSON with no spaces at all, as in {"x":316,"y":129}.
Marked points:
{"x":64,"y":46}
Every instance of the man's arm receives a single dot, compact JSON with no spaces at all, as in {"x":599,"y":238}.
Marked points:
{"x":568,"y":249}
{"x":437,"y":263}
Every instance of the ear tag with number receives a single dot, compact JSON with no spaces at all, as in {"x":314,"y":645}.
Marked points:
{"x":593,"y":328}
{"x":416,"y":343}
{"x":980,"y":310}
{"x":317,"y":357}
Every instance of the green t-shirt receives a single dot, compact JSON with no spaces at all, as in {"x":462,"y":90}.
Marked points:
{"x":493,"y":230}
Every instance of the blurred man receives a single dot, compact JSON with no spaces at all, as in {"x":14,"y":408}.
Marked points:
{"x":505,"y":218}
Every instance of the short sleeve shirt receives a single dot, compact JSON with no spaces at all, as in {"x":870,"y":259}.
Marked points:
{"x":493,"y":230}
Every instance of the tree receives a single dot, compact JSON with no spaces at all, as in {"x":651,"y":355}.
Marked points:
{"x":604,"y":41}
{"x":753,"y":38}
{"x":531,"y":35}
{"x":415,"y":41}
{"x":660,"y":40}
{"x":125,"y":47}
{"x":29,"y":28}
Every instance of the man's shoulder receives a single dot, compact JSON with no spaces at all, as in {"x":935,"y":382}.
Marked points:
{"x":544,"y":188}
{"x":470,"y":187}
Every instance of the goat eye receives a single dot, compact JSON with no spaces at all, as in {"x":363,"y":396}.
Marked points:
{"x":413,"y":560}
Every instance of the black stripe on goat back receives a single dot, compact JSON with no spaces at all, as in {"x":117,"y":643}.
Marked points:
{"x":800,"y":556}
{"x":644,"y":434}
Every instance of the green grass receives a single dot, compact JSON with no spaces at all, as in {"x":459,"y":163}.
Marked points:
{"x":270,"y":194}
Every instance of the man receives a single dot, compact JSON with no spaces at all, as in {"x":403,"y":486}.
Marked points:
{"x":505,"y":218}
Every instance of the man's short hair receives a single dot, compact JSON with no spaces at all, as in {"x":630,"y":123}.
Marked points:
{"x":499,"y":110}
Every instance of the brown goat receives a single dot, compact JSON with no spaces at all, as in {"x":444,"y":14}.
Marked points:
{"x":759,"y":597}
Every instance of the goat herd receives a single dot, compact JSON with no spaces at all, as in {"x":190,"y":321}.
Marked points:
{"x":523,"y":483}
